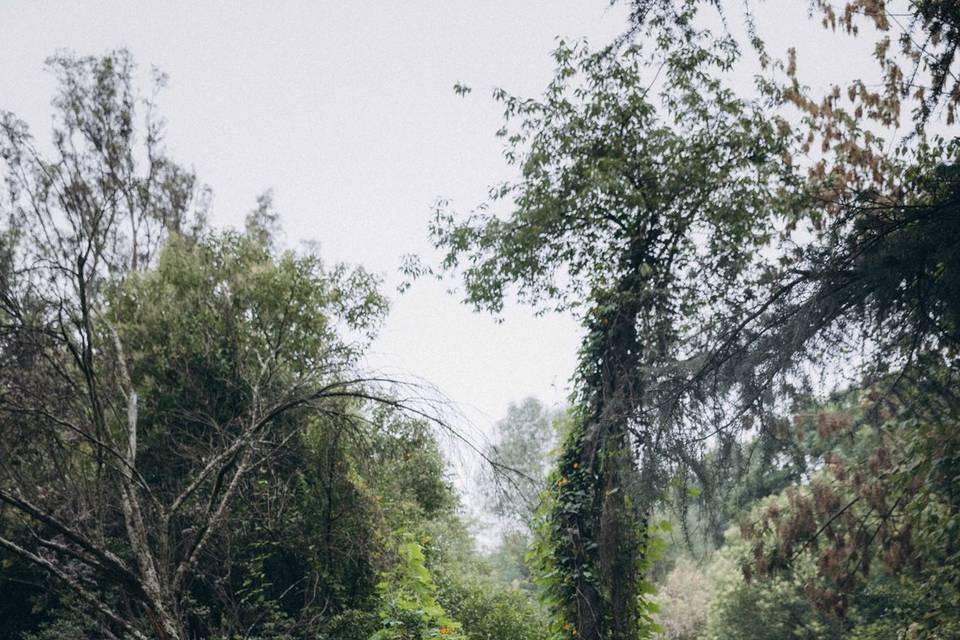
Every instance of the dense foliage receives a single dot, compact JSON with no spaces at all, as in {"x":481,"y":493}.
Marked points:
{"x":762,"y":435}
{"x":189,"y":448}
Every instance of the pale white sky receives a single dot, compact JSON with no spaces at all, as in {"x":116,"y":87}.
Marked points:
{"x":346,"y":110}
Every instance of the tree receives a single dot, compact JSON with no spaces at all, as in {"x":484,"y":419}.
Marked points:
{"x":872,"y":290}
{"x":149,"y":366}
{"x":641,"y":217}
{"x":877,"y":521}
{"x":866,"y":282}
{"x":523,"y":442}
{"x":920,"y":71}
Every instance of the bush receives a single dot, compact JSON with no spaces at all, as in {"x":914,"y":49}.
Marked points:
{"x":491,"y":610}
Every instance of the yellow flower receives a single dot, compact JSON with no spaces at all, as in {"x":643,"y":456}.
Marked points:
{"x":444,"y":631}
{"x":575,"y":465}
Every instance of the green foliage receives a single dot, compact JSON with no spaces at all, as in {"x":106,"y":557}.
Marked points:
{"x":352,"y":624}
{"x":488,"y":610}
{"x":487,"y":601}
{"x":406,"y":469}
{"x":312,"y":532}
{"x":759,"y":610}
{"x":708,"y":495}
{"x":235,"y":295}
{"x":862,"y":546}
{"x":780,"y":606}
{"x":220,"y":330}
{"x":56,"y":616}
{"x":409,"y":609}
{"x":600,"y":166}
{"x":508,"y":560}
{"x":69,"y":627}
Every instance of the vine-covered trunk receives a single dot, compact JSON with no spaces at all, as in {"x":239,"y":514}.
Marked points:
{"x":606,"y":549}
{"x":605,"y":545}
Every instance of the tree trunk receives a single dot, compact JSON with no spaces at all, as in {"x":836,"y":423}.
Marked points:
{"x":607,"y":608}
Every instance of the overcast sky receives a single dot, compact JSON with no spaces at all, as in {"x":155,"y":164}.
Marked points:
{"x":346,"y":110}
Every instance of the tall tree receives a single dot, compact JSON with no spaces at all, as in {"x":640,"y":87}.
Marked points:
{"x":645,"y":188}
